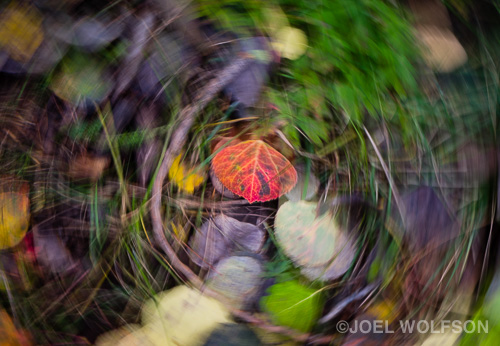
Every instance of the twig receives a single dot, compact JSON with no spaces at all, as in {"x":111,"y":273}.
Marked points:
{"x":187,"y":117}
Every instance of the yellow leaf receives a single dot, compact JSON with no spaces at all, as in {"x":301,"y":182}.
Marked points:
{"x":185,"y":178}
{"x":14,"y":216}
{"x":383,"y":310}
{"x":20,"y":31}
{"x":182,"y":316}
{"x":9,"y":335}
{"x":442,"y":50}
{"x":180,"y":232}
{"x":290,"y":42}
{"x":275,"y":19}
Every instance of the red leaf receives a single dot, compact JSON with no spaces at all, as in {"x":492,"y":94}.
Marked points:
{"x":254,"y":171}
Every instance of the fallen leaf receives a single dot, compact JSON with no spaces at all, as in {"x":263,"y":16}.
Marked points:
{"x":293,"y":305}
{"x":215,"y":145}
{"x":442,"y":50}
{"x":20,"y":31}
{"x":460,"y":304}
{"x":246,"y":88}
{"x":383,"y":310}
{"x":219,"y":187}
{"x":165,"y":59}
{"x":87,"y":166}
{"x":183,"y":177}
{"x":51,"y":252}
{"x":93,"y":34}
{"x":44,"y":59}
{"x":14,"y":214}
{"x":275,"y":19}
{"x":338,"y":265}
{"x":221,"y":236}
{"x":290,"y":42}
{"x":81,"y":78}
{"x":140,"y":26}
{"x":254,"y":171}
{"x":237,"y":278}
{"x":315,"y":242}
{"x":143,"y":337}
{"x":447,"y":337}
{"x":183,"y":316}
{"x":180,"y":231}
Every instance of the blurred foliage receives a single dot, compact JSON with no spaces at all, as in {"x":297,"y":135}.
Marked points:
{"x":343,"y":92}
{"x":360,"y":54}
{"x":81,"y":79}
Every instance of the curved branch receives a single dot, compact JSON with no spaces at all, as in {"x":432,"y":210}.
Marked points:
{"x":187,"y":117}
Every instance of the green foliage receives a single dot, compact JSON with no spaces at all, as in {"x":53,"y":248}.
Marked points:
{"x":293,"y":305}
{"x":360,"y":54}
{"x":85,"y":130}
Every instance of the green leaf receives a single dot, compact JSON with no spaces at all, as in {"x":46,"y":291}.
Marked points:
{"x":81,"y":78}
{"x":293,"y":305}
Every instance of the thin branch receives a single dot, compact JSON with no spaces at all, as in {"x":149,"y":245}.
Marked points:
{"x":187,"y":117}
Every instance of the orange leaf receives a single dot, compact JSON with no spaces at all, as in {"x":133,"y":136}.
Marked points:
{"x":254,"y":171}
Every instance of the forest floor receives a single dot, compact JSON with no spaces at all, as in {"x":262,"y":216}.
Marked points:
{"x":249,"y":173}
